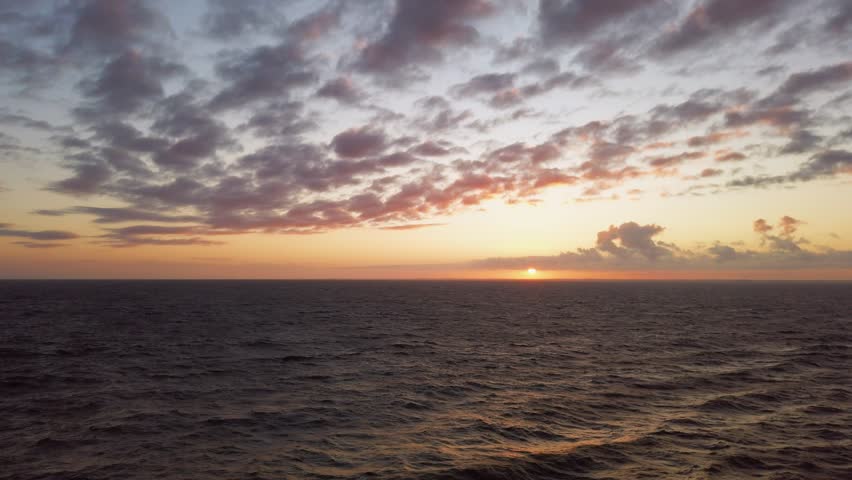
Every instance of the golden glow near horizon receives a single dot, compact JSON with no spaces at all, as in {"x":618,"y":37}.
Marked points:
{"x":531,"y":271}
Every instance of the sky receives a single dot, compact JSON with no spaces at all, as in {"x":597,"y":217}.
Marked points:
{"x":640,"y":139}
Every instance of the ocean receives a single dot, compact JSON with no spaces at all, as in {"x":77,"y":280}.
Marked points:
{"x":425,"y":380}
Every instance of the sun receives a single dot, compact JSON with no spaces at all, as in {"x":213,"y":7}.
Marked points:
{"x":531,"y":271}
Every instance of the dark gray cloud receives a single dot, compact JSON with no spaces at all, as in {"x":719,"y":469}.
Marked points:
{"x":574,"y":21}
{"x":359,"y":142}
{"x":609,"y":57}
{"x":314,"y":26}
{"x":87,"y":179}
{"x":510,"y":97}
{"x":126,"y":84}
{"x":485,"y":83}
{"x":419,"y":31}
{"x":25,"y":66}
{"x":715,"y":20}
{"x":226,"y":19}
{"x":674,"y":160}
{"x":341,"y":89}
{"x":430,"y":149}
{"x":265,"y":72}
{"x":804,"y":83}
{"x":840,"y":22}
{"x":107,"y":215}
{"x":113,"y":26}
{"x":802,"y":141}
{"x":6,"y":230}
{"x":711,"y":138}
{"x":438,"y":115}
{"x":25,"y":121}
{"x":121,"y":135}
{"x":634,"y":239}
{"x":40,"y":245}
{"x":157,"y":235}
{"x":519,"y":48}
{"x":826,"y":164}
{"x":280,"y":120}
{"x":543,"y":67}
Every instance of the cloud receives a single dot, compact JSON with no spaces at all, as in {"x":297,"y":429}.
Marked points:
{"x":111,"y":26}
{"x":520,"y":152}
{"x":638,"y":251}
{"x":289,"y":126}
{"x":40,"y":245}
{"x":418,"y":33}
{"x":760,"y":226}
{"x":341,"y":89}
{"x":225,"y":19}
{"x":430,"y":149}
{"x":723,"y":253}
{"x":317,"y":24}
{"x":263,"y":72}
{"x":714,"y":20}
{"x":563,"y":21}
{"x":359,"y":142}
{"x":673,"y":160}
{"x":107,"y":215}
{"x":17,"y":119}
{"x":158,"y":235}
{"x":607,"y":56}
{"x":824,"y":164}
{"x":712,"y":138}
{"x":727,"y":156}
{"x":485,"y":83}
{"x":841,"y":22}
{"x":782,"y":118}
{"x":439,"y":116}
{"x":801,"y":141}
{"x":789,"y":225}
{"x":280,"y":120}
{"x":25,"y":66}
{"x":635,"y":239}
{"x":6,"y":230}
{"x":543,"y":66}
{"x":803,"y":83}
{"x":509,"y":97}
{"x":126,"y":84}
{"x":87,"y":179}
{"x":412,"y":226}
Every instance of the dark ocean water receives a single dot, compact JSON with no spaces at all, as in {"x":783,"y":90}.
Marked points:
{"x":425,"y":380}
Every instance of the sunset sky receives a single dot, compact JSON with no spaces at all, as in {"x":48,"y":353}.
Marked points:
{"x":426,"y":139}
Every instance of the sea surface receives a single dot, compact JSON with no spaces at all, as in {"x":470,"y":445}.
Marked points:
{"x":425,"y":380}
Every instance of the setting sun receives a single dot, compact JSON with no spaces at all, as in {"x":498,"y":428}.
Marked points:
{"x":531,"y":271}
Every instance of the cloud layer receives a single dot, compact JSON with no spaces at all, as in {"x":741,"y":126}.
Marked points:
{"x":634,"y":247}
{"x":185,"y":126}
